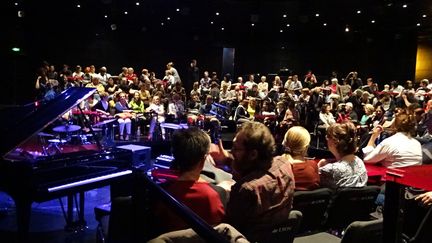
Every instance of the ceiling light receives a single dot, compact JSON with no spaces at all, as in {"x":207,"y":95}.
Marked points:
{"x":222,"y":28}
{"x":168,"y":18}
{"x":212,"y":22}
{"x":137,"y":3}
{"x":113,"y":27}
{"x":325,"y":24}
{"x":284,"y":15}
{"x":16,"y":4}
{"x":358,"y":11}
{"x":217,"y":13}
{"x":347,"y":29}
{"x":78,"y":6}
{"x":178,"y":10}
{"x":373,"y":21}
{"x":252,"y":24}
{"x":106,"y":16}
{"x":317,"y":15}
{"x":288,"y":25}
{"x":281,"y":31}
{"x":162,"y":23}
{"x":404,"y":6}
{"x":418,"y":24}
{"x":424,"y":15}
{"x":125,"y":12}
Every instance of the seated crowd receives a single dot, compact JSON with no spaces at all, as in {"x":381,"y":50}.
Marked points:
{"x":269,"y":156}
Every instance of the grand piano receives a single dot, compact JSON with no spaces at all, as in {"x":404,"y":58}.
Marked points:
{"x":29,"y":175}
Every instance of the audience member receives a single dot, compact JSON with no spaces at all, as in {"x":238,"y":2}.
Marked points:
{"x":348,"y":170}
{"x":296,"y":143}
{"x":399,"y":150}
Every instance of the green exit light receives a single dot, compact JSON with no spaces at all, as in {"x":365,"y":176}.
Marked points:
{"x":16,"y":49}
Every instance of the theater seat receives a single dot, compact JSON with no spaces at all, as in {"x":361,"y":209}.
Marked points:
{"x":424,"y":231}
{"x":285,"y":232}
{"x":313,"y":205}
{"x":357,"y":232}
{"x":351,"y":204}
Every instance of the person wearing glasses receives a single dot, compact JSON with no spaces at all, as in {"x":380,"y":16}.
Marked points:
{"x":263,"y":193}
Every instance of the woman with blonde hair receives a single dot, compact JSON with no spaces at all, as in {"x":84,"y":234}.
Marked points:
{"x":368,"y":116}
{"x":296,"y":143}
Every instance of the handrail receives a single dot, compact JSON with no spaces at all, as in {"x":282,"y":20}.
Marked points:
{"x":199,"y":225}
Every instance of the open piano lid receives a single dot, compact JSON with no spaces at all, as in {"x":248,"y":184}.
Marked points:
{"x":19,"y":123}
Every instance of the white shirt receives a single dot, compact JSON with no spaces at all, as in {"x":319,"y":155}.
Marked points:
{"x":327,"y":119}
{"x":398,"y":150}
{"x":176,"y":109}
{"x":249,"y":84}
{"x":159,"y":109}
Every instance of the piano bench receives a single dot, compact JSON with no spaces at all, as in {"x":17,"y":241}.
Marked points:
{"x":102,"y":215}
{"x":102,"y":210}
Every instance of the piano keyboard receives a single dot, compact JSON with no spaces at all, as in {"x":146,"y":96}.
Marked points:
{"x":88,"y":181}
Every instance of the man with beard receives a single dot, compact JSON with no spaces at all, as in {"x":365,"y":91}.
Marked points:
{"x":263,"y":193}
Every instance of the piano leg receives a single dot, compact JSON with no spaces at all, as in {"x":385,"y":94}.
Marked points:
{"x":23,"y":213}
{"x":69,"y":219}
{"x":71,"y":224}
{"x":81,"y":220}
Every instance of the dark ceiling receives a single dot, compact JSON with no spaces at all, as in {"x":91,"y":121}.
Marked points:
{"x":266,"y":34}
{"x":195,"y":20}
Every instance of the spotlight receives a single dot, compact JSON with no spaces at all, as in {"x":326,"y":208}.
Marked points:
{"x":358,"y":11}
{"x":222,"y":28}
{"x":106,"y":16}
{"x":347,"y":29}
{"x":78,"y":6}
{"x":217,"y":13}
{"x":284,"y":15}
{"x":125,"y":12}
{"x":325,"y":24}
{"x":280,"y":31}
{"x":288,"y":25}
{"x":178,"y":10}
{"x":424,"y":15}
{"x":137,"y":3}
{"x":418,"y":24}
{"x":373,"y":21}
{"x":168,"y":18}
{"x":404,"y":6}
{"x":317,"y":15}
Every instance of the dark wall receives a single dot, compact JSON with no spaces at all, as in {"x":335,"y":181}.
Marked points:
{"x":385,"y":56}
